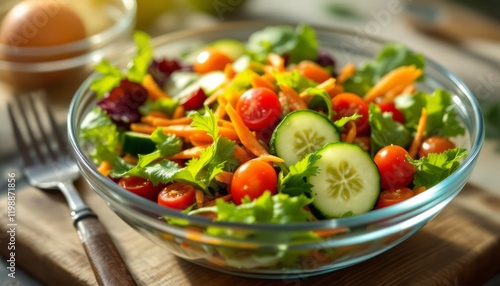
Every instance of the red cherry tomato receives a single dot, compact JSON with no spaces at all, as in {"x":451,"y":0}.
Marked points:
{"x":436,"y":145}
{"x":347,"y":104}
{"x":252,"y":179}
{"x":390,"y":197}
{"x":259,"y":108}
{"x":397,"y":115}
{"x":194,"y":101}
{"x":395,"y":169}
{"x":178,"y":195}
{"x":210,"y":60}
{"x":140,"y":186}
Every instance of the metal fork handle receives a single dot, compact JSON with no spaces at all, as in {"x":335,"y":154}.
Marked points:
{"x":106,"y":262}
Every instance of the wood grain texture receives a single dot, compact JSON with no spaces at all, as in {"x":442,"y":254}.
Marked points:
{"x":106,"y":261}
{"x":461,"y":246}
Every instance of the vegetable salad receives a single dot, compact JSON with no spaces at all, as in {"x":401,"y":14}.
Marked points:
{"x":271,"y":130}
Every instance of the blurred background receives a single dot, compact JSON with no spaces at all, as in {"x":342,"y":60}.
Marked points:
{"x":461,"y":35}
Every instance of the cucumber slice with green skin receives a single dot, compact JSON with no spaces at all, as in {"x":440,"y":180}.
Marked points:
{"x":302,"y":132}
{"x":137,"y":143}
{"x":348,"y":182}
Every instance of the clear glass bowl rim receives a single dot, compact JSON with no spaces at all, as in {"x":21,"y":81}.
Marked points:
{"x":144,"y":205}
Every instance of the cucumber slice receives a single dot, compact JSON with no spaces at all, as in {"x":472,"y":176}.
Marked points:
{"x":302,"y":132}
{"x":348,"y":182}
{"x":137,"y":143}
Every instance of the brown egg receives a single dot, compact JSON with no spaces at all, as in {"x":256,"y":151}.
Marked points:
{"x":36,"y":23}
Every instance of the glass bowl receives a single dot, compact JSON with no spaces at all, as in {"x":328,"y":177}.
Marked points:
{"x":108,"y":24}
{"x":352,"y":239}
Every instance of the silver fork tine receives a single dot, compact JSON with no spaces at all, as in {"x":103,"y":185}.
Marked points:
{"x":27,"y":160}
{"x":61,"y":141}
{"x":45,"y":138}
{"x":31,"y":135}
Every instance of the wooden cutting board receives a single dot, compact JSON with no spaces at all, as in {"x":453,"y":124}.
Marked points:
{"x":461,"y":246}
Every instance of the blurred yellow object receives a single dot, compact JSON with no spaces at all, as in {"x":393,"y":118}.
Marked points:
{"x":149,"y":10}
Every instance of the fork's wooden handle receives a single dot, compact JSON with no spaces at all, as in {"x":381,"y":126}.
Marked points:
{"x":107,"y":264}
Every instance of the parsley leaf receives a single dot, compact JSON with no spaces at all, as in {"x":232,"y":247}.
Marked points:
{"x":294,"y":182}
{"x":111,"y":77}
{"x":294,"y":80}
{"x":213,"y":159}
{"x":434,"y":168}
{"x":320,"y":98}
{"x":380,"y":123}
{"x":441,"y":117}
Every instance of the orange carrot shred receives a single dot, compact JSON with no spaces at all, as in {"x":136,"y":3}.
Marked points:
{"x":346,"y":72}
{"x":276,"y":61}
{"x":351,"y":134}
{"x":258,"y":81}
{"x":189,"y":153}
{"x":292,"y":97}
{"x":199,"y":198}
{"x":417,"y":140}
{"x":241,"y":154}
{"x":269,"y":159}
{"x":224,"y":177}
{"x":154,"y":91}
{"x":245,"y":135}
{"x":404,"y":75}
{"x":178,"y":112}
{"x":142,"y":128}
{"x":104,"y":168}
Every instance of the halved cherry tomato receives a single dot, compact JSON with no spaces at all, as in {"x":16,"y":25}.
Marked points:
{"x":140,"y":186}
{"x":435,"y":144}
{"x":397,"y":115}
{"x":347,"y":104}
{"x":194,"y":101}
{"x":259,"y":108}
{"x":210,"y":60}
{"x":313,"y":71}
{"x":390,"y":197}
{"x":395,"y":169}
{"x":252,"y":179}
{"x":178,"y":195}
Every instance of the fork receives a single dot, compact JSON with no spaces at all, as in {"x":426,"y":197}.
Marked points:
{"x":47,"y":164}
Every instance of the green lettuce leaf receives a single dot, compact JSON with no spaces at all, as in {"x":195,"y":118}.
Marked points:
{"x":101,"y":132}
{"x":294,"y":80}
{"x":390,"y":57}
{"x":434,"y":168}
{"x":385,"y":130}
{"x":298,"y":43}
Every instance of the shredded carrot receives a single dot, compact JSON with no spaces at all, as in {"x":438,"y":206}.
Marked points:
{"x":142,"y":128}
{"x":229,"y":71}
{"x":186,"y":131}
{"x":328,"y":85}
{"x":178,"y":112}
{"x":224,"y":177}
{"x":189,"y":153}
{"x":158,"y":121}
{"x":338,"y":89}
{"x":241,"y":154}
{"x":154,"y":91}
{"x":269,"y":159}
{"x":410,"y":89}
{"x":258,"y":81}
{"x":404,"y":75}
{"x":276,"y":61}
{"x":131,"y":159}
{"x":363,"y":142}
{"x":199,"y":198}
{"x":269,"y":77}
{"x":104,"y":168}
{"x":156,"y":113}
{"x":312,"y":71}
{"x":226,"y":198}
{"x":330,"y":232}
{"x":225,"y":123}
{"x":351,"y":134}
{"x":220,"y":111}
{"x":346,"y":72}
{"x":393,"y":93}
{"x":245,"y":135}
{"x":417,"y":140}
{"x":419,"y":190}
{"x":292,"y":97}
